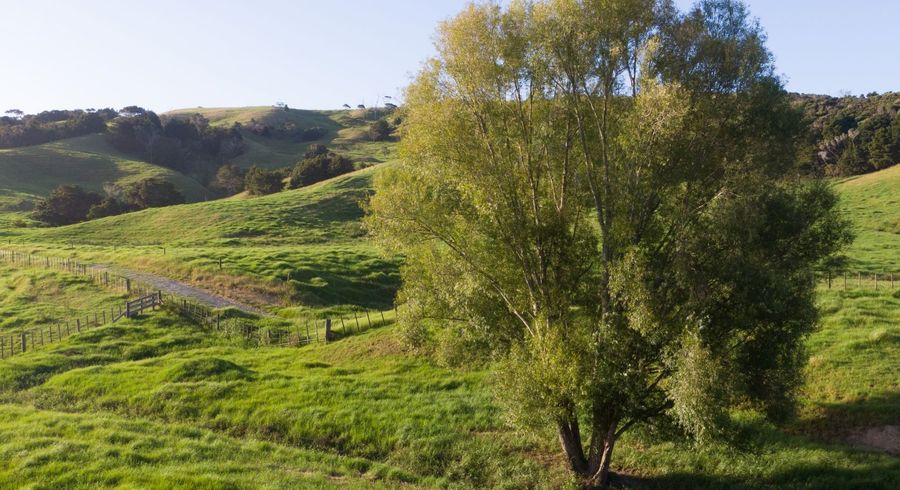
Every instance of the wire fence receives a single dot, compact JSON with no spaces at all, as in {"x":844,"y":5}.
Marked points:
{"x":858,"y":279}
{"x":227,"y":324}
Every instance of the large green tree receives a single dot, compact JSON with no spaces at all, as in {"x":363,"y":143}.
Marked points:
{"x":598,"y":196}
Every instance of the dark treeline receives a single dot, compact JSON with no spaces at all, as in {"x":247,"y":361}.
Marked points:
{"x":318,"y":164}
{"x":70,"y":204}
{"x":188,"y":144}
{"x":19,"y":129}
{"x":850,"y":135}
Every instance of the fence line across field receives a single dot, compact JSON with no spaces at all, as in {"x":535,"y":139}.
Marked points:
{"x":847,"y":279}
{"x":289,"y":333}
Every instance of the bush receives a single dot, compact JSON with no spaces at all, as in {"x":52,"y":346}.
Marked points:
{"x":229,"y":179}
{"x":153,"y":193}
{"x":66,"y":205}
{"x":110,"y":206}
{"x":260,"y":182}
{"x":379,"y":130}
{"x":318,"y":168}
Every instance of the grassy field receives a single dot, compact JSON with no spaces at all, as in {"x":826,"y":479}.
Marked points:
{"x":301,"y":248}
{"x":873,"y":201}
{"x":156,"y":401}
{"x":30,"y":173}
{"x":34,"y":297}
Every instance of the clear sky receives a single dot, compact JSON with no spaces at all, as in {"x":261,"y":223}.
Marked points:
{"x":166,"y":54}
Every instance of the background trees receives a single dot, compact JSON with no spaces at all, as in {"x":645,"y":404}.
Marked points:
{"x":320,"y":164}
{"x":229,"y":179}
{"x":66,"y":205}
{"x":602,"y":195}
{"x":850,"y":135}
{"x":153,"y":193}
{"x":69,"y":204}
{"x":259,"y":182}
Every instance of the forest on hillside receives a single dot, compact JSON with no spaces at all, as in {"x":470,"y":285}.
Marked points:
{"x":849,"y":135}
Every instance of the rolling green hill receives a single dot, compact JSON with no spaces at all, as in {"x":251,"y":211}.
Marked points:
{"x":30,"y":173}
{"x":293,"y":249}
{"x":364,"y":412}
{"x":345,"y":132}
{"x":872,"y":201}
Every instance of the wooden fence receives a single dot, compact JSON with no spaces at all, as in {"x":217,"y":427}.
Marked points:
{"x":279,"y":332}
{"x":847,"y":280}
{"x":274,"y":333}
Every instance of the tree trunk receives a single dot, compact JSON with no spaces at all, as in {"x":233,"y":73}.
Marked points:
{"x":570,"y":440}
{"x":600,"y":474}
{"x":593,"y":471}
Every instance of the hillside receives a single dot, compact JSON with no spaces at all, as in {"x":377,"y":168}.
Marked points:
{"x":30,"y":173}
{"x":293,"y":249}
{"x":850,"y":135}
{"x":362,"y":411}
{"x":872,"y":202}
{"x":343,"y":131}
{"x":272,"y":138}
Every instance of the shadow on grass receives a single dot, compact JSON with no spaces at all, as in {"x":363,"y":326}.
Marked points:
{"x":884,"y":474}
{"x":831,"y":421}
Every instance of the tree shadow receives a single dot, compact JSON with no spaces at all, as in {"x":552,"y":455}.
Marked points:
{"x":883,"y":474}
{"x":831,"y":422}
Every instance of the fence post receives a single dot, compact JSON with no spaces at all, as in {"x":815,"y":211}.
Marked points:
{"x":327,"y":329}
{"x":23,"y":342}
{"x":829,"y":279}
{"x":369,"y":319}
{"x":78,"y":325}
{"x":316,"y":324}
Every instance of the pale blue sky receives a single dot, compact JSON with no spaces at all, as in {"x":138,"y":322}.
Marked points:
{"x":167,"y":54}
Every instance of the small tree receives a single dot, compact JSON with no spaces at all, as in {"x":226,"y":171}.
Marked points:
{"x":599,"y":195}
{"x":110,"y":206}
{"x":319,"y":167}
{"x":66,"y":205}
{"x":260,"y":182}
{"x":379,"y":130}
{"x":229,"y":179}
{"x":153,"y":193}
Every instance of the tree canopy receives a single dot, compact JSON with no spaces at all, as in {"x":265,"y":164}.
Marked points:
{"x":600,"y":196}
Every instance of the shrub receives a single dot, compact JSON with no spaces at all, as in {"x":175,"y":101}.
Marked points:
{"x":379,"y":130}
{"x":153,"y":193}
{"x":260,"y":182}
{"x":67,"y":204}
{"x":318,"y":168}
{"x":229,"y":179}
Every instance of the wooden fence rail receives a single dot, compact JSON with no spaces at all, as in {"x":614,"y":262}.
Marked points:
{"x":287,"y":333}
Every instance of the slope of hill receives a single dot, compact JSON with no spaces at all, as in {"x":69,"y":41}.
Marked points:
{"x":850,"y":135}
{"x":872,"y":202}
{"x":89,"y":161}
{"x":325,"y":212}
{"x":342,"y":131}
{"x":300,"y":248}
{"x":364,"y":412}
